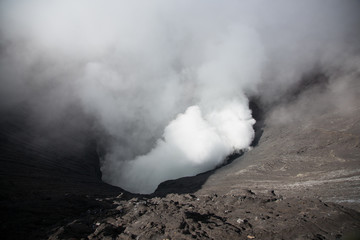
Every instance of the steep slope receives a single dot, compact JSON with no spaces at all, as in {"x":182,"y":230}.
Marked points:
{"x":309,"y":148}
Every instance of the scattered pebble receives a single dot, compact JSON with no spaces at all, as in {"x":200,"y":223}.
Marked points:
{"x":240,"y":220}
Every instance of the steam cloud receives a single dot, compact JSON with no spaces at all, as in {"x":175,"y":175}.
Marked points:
{"x":167,"y":81}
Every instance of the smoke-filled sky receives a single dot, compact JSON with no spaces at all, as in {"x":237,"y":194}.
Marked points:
{"x":166,"y":81}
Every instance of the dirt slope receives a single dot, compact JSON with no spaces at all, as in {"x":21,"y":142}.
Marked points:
{"x":314,"y":152}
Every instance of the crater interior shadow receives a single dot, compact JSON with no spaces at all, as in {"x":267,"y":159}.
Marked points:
{"x":45,"y":183}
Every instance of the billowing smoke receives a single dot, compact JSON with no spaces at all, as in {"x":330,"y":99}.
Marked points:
{"x":166,"y":82}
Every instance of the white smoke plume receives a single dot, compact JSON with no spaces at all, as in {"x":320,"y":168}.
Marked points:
{"x":167,"y":81}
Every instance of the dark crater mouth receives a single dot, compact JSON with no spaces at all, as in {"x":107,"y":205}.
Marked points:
{"x":46,"y":179}
{"x":192,"y":184}
{"x":259,"y":109}
{"x":33,"y":160}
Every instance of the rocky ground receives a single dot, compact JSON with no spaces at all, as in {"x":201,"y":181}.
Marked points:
{"x":301,"y":181}
{"x":230,"y":216}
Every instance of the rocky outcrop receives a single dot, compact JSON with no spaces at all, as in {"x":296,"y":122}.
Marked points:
{"x":231,"y":216}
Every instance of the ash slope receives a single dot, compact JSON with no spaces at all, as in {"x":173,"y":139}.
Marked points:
{"x":310,"y":148}
{"x":301,"y":181}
